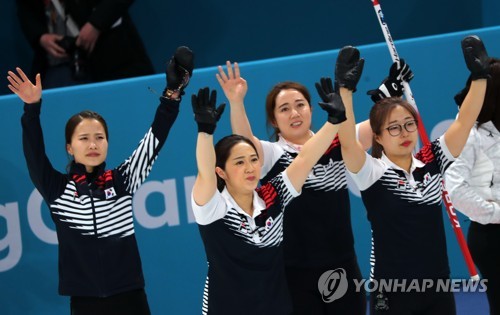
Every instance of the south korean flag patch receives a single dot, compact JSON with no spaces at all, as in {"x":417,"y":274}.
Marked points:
{"x":110,"y":192}
{"x":427,"y":178}
{"x":269,"y":223}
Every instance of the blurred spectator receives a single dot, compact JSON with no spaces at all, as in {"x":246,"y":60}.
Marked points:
{"x":78,"y":42}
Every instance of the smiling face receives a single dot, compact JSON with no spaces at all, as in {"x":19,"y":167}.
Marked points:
{"x":292,"y":116}
{"x":242,"y":169}
{"x":402,"y":145}
{"x":89,"y":145}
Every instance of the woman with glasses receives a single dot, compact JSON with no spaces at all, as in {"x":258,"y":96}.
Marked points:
{"x":402,"y":193}
{"x":323,"y":239}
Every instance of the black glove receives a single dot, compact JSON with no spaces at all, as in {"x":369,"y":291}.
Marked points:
{"x":332,"y":102}
{"x":348,"y":68}
{"x":476,"y":57}
{"x":179,"y":71}
{"x":205,"y":114}
{"x":392,"y":86}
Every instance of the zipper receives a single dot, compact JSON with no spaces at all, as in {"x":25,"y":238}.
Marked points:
{"x":93,"y":211}
{"x":94,"y":215}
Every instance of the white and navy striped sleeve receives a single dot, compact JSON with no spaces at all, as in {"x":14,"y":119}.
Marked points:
{"x":284,"y":188}
{"x":136,"y":168}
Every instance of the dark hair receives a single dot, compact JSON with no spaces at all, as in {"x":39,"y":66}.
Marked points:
{"x":222,"y":151}
{"x":76,"y":119}
{"x":271,"y":102}
{"x":378,"y":116}
{"x":492,"y":97}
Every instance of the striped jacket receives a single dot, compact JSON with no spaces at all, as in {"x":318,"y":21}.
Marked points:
{"x":244,"y":253}
{"x":98,"y":253}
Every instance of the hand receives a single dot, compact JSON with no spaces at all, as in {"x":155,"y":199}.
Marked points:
{"x":392,"y":86}
{"x":332,"y":102}
{"x":22,"y":86}
{"x":49,"y":43}
{"x":88,"y":37}
{"x":348,"y":68}
{"x":476,"y":57}
{"x":234,"y":86}
{"x":325,"y":88}
{"x":205,"y":113}
{"x":179,"y":71}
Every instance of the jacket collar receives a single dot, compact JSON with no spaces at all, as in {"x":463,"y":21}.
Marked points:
{"x":79,"y":169}
{"x":415,"y":163}
{"x":97,"y":179}
{"x":290,"y":146}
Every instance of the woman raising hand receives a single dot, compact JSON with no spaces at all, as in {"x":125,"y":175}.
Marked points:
{"x":242,"y":226}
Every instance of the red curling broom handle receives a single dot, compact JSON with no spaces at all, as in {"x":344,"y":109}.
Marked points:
{"x":425,"y":140}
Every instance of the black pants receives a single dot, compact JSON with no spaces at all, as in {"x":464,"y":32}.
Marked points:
{"x":307,"y":299}
{"x":429,"y":302}
{"x":127,"y":303}
{"x":484,"y":245}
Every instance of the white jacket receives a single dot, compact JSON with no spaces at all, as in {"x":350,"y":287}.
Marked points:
{"x":473,"y":181}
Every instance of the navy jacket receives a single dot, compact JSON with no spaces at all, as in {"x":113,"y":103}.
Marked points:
{"x":98,"y":253}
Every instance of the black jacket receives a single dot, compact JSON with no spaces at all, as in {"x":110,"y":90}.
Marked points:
{"x":119,"y":51}
{"x":98,"y":254}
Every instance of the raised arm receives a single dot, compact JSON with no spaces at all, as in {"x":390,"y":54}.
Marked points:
{"x":46,"y":179}
{"x":206,"y":116}
{"x":315,"y":147}
{"x":364,"y":132}
{"x":477,"y":62}
{"x":348,"y":70}
{"x":353,"y":153}
{"x":137,"y":167}
{"x":235,"y":88}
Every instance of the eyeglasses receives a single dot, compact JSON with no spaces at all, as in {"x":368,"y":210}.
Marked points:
{"x":396,"y":129}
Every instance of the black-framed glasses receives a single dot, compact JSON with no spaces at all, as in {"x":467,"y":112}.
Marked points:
{"x":396,"y":129}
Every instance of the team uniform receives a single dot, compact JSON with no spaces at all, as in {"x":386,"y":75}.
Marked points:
{"x":244,"y":253}
{"x":317,"y":230}
{"x":473,"y":183}
{"x":92,"y":212}
{"x":408,"y":238}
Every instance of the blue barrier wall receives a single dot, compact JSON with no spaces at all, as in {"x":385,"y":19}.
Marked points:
{"x":172,"y":252}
